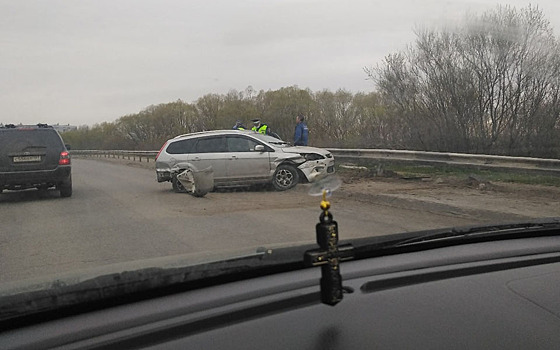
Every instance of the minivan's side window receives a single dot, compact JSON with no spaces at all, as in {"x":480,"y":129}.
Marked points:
{"x":181,"y":147}
{"x":210,"y":145}
{"x":240,"y":144}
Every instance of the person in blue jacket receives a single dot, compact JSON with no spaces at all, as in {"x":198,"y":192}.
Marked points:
{"x":302,"y":132}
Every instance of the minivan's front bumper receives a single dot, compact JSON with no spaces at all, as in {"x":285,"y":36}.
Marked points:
{"x":317,"y":168}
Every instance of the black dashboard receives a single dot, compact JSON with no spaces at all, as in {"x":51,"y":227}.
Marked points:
{"x":488,"y":295}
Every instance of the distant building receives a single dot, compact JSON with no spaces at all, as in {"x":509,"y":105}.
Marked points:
{"x":63,"y":128}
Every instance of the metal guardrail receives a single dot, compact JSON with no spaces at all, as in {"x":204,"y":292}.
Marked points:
{"x":479,"y":161}
{"x":131,"y":155}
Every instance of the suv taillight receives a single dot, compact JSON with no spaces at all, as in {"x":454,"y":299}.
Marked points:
{"x":161,"y":149}
{"x":64,"y":158}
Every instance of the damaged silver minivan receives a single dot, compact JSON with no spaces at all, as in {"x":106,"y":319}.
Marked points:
{"x":241,"y":158}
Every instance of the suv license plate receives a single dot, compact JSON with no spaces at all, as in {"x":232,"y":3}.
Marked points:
{"x":24,"y":159}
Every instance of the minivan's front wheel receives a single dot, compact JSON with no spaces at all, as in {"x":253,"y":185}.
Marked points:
{"x":285,"y":177}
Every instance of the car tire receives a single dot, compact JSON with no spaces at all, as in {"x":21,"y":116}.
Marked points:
{"x":179,"y":188}
{"x":177,"y":185}
{"x":285,"y":177}
{"x":65,"y":188}
{"x":199,"y":193}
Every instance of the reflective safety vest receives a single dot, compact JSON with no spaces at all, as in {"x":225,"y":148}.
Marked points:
{"x":238,"y":126}
{"x":261,"y":129}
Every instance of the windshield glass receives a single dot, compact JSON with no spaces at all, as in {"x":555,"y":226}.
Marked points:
{"x":272,"y":140}
{"x":405,"y":116}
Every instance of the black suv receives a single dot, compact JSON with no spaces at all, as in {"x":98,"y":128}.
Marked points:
{"x":34,"y":156}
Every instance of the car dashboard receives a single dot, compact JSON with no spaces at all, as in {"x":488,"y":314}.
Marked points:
{"x":498,"y":294}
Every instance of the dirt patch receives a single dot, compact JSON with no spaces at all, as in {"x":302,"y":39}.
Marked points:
{"x":467,"y":196}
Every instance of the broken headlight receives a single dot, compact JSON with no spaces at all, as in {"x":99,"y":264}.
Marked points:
{"x":312,"y":156}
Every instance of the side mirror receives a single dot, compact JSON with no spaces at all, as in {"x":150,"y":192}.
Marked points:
{"x":259,"y":148}
{"x":68,"y":147}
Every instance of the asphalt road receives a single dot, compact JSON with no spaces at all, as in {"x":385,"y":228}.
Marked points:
{"x":120,"y":213}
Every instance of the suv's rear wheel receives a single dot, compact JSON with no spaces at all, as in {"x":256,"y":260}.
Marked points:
{"x":285,"y":177}
{"x":65,"y":187}
{"x":180,"y":188}
{"x":177,"y":185}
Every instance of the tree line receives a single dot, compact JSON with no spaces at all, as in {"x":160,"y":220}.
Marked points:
{"x":490,"y":85}
{"x":335,"y":119}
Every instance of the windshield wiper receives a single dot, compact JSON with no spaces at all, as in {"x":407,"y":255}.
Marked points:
{"x":493,"y":232}
{"x":412,"y":241}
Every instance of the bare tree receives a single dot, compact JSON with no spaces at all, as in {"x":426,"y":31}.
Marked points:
{"x":488,"y":86}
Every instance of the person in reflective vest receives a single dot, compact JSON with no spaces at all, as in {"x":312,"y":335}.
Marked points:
{"x":239,"y":125}
{"x":260,"y":128}
{"x":263,"y":129}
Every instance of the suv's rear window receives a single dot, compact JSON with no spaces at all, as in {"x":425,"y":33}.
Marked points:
{"x":19,"y":140}
{"x":181,"y":147}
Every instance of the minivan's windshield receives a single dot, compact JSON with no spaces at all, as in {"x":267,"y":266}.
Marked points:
{"x":275,"y":141}
{"x":414,"y":116}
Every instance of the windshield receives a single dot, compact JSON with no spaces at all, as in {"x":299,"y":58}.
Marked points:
{"x":272,"y":140}
{"x":413,"y":116}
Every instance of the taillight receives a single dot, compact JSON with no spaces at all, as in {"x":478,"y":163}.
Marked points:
{"x":64,"y":158}
{"x":161,"y":149}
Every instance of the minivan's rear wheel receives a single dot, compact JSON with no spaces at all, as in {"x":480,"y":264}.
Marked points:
{"x":65,"y":187}
{"x":177,"y":185}
{"x":285,"y":177}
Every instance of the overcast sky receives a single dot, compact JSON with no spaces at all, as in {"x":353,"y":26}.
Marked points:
{"x":90,"y":61}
